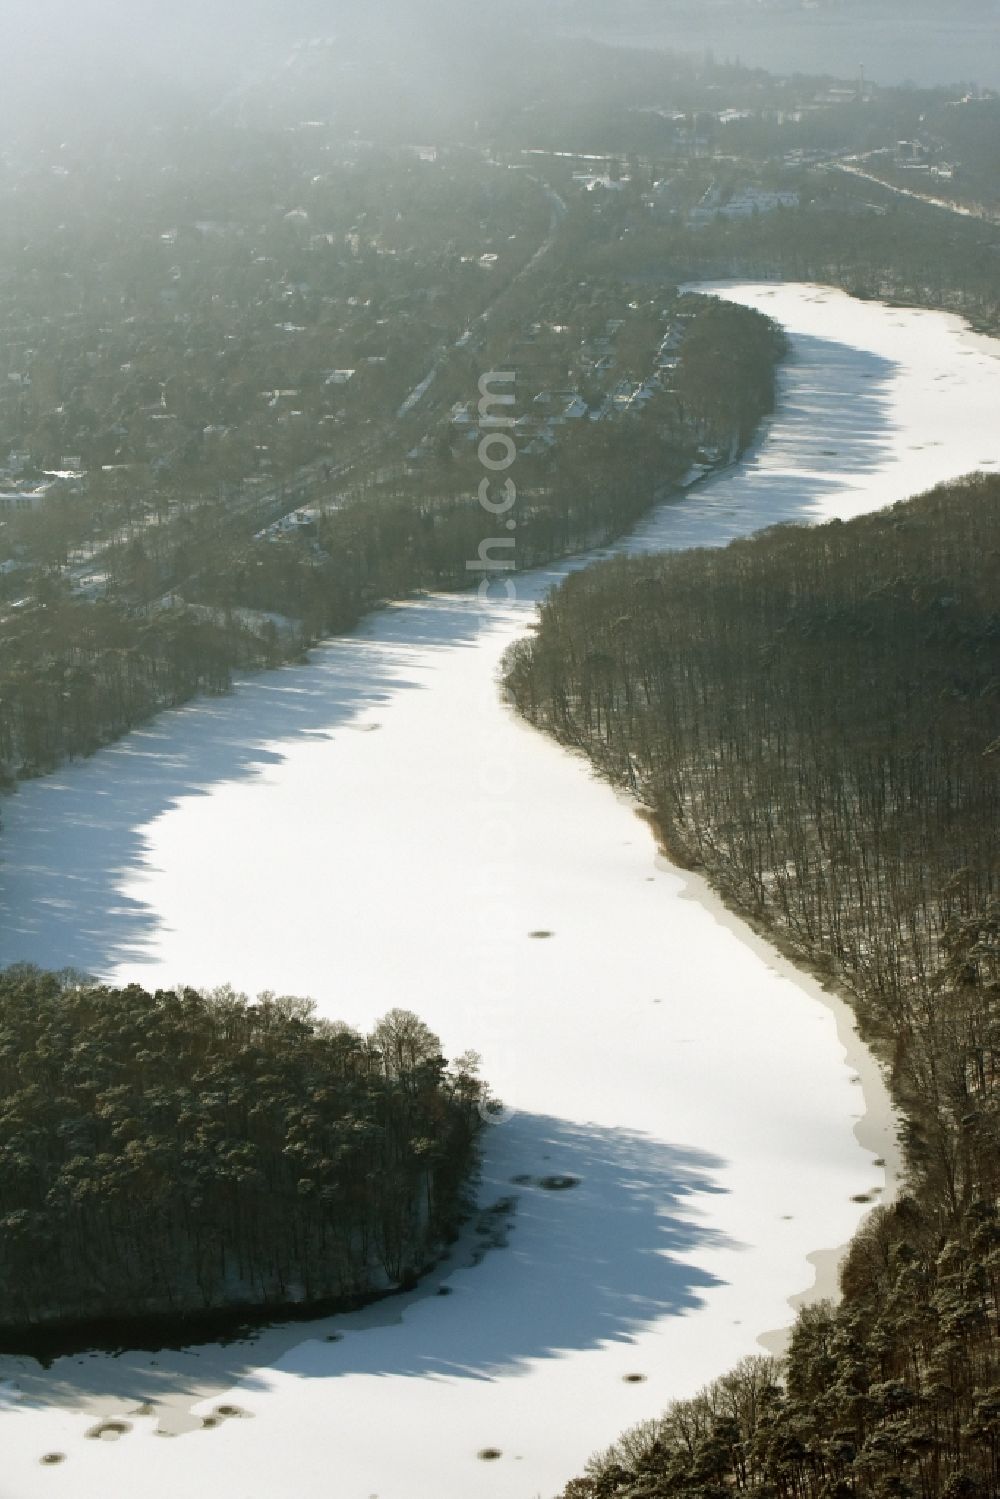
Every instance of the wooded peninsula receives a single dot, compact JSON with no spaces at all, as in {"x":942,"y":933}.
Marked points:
{"x":813,"y":718}
{"x":167,"y":1154}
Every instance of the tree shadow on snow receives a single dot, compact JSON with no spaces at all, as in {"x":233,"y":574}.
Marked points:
{"x":72,"y":840}
{"x":832,"y":426}
{"x":587,"y":1265}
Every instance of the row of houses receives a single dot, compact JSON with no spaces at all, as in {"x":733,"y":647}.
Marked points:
{"x":743,"y":204}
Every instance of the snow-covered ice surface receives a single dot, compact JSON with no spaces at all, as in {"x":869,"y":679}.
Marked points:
{"x":376,"y":829}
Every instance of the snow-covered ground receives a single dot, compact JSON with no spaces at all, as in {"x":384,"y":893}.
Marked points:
{"x":377,"y":829}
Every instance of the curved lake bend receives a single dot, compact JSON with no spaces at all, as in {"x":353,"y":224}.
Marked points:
{"x":377,"y":829}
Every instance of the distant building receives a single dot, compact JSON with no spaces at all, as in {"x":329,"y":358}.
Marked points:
{"x":591,"y":181}
{"x":742,"y":205}
{"x":912,"y":154}
{"x":21,"y":499}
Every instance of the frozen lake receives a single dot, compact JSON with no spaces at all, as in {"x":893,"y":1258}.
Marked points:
{"x":377,"y":829}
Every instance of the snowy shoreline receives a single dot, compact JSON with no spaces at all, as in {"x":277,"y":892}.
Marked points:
{"x":876,"y":1129}
{"x":655,"y":1049}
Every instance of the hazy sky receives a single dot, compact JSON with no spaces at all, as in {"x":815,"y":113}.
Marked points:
{"x":88,"y":59}
{"x":119,"y":55}
{"x":928,"y":41}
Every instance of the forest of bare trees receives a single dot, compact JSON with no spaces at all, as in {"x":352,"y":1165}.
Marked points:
{"x":166,"y":1154}
{"x":813,"y":717}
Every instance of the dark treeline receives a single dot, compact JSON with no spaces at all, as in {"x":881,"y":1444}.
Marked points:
{"x":813,"y":716}
{"x":181,"y":1151}
{"x":809,"y":712}
{"x":891,"y":248}
{"x":899,"y":250}
{"x":422,"y":532}
{"x":75,"y":674}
